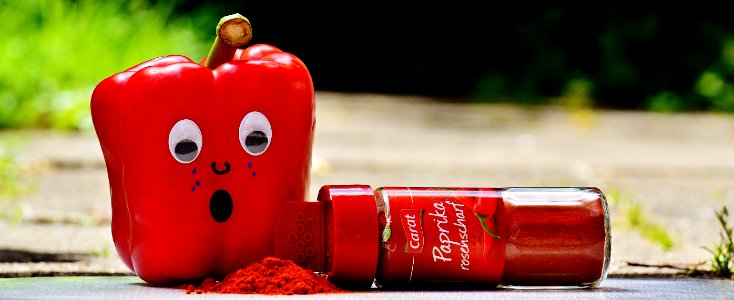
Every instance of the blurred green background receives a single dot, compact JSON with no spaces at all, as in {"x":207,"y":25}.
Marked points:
{"x":652,"y":56}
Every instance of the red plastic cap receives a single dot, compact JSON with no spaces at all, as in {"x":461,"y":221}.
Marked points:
{"x":299,"y":234}
{"x":352,"y":234}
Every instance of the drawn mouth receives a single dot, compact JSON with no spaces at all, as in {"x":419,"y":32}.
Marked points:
{"x":220,"y":206}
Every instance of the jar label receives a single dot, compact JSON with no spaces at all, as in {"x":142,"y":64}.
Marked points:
{"x":443,"y":238}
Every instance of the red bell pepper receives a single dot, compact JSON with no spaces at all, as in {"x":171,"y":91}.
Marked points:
{"x":200,"y":160}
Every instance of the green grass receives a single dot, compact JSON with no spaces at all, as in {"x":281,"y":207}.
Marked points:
{"x":722,"y":260}
{"x":8,"y":175}
{"x":633,"y":216}
{"x":53,"y":53}
{"x":14,"y":181}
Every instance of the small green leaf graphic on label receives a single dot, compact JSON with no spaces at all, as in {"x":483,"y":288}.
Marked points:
{"x":386,"y":234}
{"x":483,"y":221}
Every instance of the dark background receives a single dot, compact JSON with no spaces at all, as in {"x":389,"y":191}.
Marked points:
{"x":526,"y":52}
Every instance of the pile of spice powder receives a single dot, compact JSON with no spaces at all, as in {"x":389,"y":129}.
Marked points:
{"x":271,"y":276}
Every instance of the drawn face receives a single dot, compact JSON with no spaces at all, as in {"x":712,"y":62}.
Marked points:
{"x":201,"y":161}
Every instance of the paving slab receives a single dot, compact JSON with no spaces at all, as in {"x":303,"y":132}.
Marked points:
{"x":130,"y":287}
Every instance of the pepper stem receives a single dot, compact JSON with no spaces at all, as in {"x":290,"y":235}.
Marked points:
{"x":233,"y":31}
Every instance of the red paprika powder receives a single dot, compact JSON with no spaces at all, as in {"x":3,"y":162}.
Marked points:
{"x":399,"y":237}
{"x":271,"y":276}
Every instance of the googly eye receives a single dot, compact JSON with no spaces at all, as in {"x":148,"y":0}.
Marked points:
{"x":255,"y":133}
{"x":185,"y":141}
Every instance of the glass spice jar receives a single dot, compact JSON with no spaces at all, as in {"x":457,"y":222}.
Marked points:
{"x":423,"y":237}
